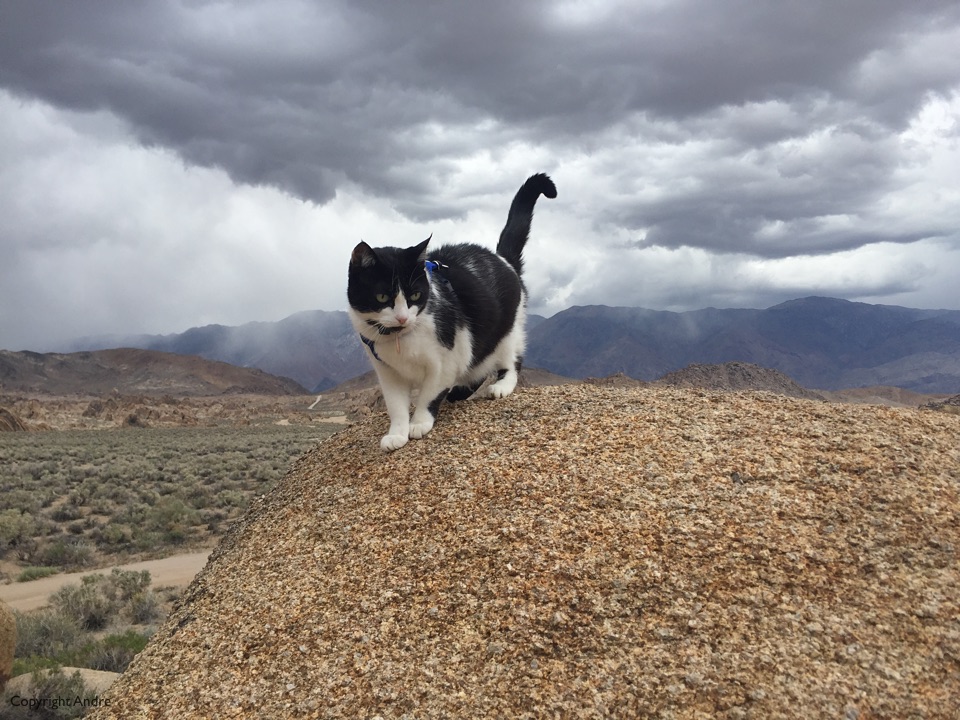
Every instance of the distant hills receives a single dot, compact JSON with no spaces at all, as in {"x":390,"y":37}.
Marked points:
{"x":132,"y":372}
{"x":822,"y":343}
{"x":316,"y":348}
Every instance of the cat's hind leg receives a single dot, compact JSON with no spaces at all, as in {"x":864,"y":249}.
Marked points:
{"x":462,"y":392}
{"x":509,"y":357}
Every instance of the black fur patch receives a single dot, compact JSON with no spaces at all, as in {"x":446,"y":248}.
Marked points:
{"x":385,"y":272}
{"x":483,"y":294}
{"x":434,"y":406}
{"x":462,"y":392}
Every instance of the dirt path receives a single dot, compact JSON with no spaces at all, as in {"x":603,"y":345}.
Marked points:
{"x":177,"y":570}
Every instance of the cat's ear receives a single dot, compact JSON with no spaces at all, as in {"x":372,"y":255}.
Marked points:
{"x":421,"y":249}
{"x":363,"y":256}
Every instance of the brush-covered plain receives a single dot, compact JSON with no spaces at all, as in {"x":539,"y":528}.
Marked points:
{"x":79,"y":499}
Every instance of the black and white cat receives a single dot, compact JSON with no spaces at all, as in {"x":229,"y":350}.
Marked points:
{"x":438,"y":323}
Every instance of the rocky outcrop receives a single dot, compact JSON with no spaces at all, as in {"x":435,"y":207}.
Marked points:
{"x":950,"y":405}
{"x":10,"y":422}
{"x":95,"y":683}
{"x":8,"y":642}
{"x":737,"y":376}
{"x":616,"y":380}
{"x":582,"y":551}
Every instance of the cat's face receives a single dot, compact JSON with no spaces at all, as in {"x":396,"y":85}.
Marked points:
{"x":387,"y":286}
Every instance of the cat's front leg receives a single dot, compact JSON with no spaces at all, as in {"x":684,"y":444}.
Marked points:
{"x":396,"y":396}
{"x":428,"y":405}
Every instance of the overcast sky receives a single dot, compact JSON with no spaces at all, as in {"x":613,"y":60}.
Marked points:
{"x":171,"y":164}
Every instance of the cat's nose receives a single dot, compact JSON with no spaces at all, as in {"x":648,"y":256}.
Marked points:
{"x":402,"y":319}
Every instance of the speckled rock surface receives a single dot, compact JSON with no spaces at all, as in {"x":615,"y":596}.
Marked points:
{"x":577,"y":551}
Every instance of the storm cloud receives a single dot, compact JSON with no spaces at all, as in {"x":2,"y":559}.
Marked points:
{"x":168,"y":164}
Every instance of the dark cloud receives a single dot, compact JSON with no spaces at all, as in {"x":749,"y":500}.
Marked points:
{"x":306,"y":95}
{"x":765,"y":131}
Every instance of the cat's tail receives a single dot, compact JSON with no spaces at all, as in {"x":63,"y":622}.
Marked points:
{"x":515,"y":233}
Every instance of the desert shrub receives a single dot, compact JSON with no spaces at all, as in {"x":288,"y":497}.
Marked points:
{"x":133,"y":515}
{"x":172,"y":517}
{"x":23,"y":666}
{"x":124,"y":585}
{"x":62,"y":634}
{"x":147,"y":540}
{"x":100,"y":598}
{"x":115,"y":652}
{"x":23,"y":500}
{"x":53,"y":685}
{"x":199,"y":497}
{"x":26,"y":550}
{"x":46,"y":633}
{"x":144,"y":608}
{"x":114,"y":536}
{"x":85,"y":603}
{"x":231,"y":498}
{"x":66,"y":513}
{"x":15,"y":527}
{"x":36,"y":572}
{"x":66,"y":555}
{"x":80,"y":497}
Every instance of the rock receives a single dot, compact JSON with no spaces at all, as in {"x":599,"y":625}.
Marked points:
{"x":97,"y":682}
{"x":10,"y":422}
{"x":737,"y":376}
{"x":950,"y":405}
{"x":8,"y":642}
{"x":584,"y":551}
{"x":616,"y":380}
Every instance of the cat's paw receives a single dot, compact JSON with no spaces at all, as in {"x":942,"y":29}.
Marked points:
{"x":419,"y":429}
{"x":389,"y":443}
{"x":500,"y":390}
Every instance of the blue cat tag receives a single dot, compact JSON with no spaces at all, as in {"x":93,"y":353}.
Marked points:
{"x":433,"y":268}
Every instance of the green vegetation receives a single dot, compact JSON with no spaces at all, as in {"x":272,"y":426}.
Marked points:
{"x":76,"y":499}
{"x":72,"y":630}
{"x":100,"y":624}
{"x":35,"y":573}
{"x":53,"y":686}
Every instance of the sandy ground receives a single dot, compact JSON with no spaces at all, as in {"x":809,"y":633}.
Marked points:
{"x":176,"y":571}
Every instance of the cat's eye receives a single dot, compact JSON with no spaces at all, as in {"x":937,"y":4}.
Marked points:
{"x":414,"y":296}
{"x":382,"y":297}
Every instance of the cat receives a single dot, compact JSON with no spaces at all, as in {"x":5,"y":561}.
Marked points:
{"x":437,"y":324}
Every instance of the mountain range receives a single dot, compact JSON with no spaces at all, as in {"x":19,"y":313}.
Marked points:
{"x":822,"y":343}
{"x":131,"y":371}
{"x":317,"y":348}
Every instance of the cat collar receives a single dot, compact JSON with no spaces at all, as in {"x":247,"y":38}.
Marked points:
{"x":370,"y":344}
{"x":433,"y":269}
{"x":373,"y":346}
